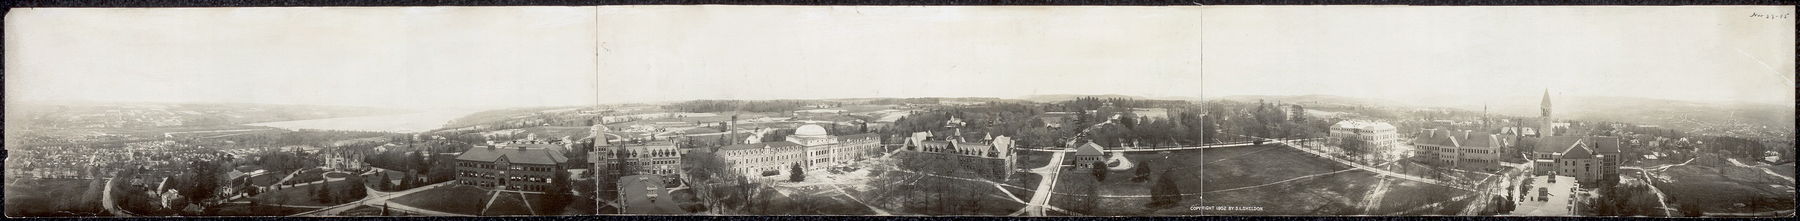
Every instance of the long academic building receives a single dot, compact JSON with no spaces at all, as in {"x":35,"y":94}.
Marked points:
{"x":991,"y":156}
{"x":525,"y":165}
{"x":810,"y":147}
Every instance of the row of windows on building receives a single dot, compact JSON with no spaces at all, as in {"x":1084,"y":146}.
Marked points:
{"x":539,"y":179}
{"x":776,"y":158}
{"x":755,"y":152}
{"x":485,"y":184}
{"x":510,"y":167}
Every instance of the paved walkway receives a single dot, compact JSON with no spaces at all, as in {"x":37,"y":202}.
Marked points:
{"x":1560,"y":198}
{"x":377,"y":199}
{"x":1041,"y":197}
{"x":1735,"y":162}
{"x":1660,"y":198}
{"x":107,"y":202}
{"x":1221,"y":145}
{"x":1361,"y":166}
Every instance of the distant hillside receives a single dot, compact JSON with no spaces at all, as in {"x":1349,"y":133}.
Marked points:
{"x":1314,"y":100}
{"x":1049,"y":98}
{"x":1736,"y":119}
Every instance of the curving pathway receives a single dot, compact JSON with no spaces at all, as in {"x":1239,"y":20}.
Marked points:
{"x":1041,"y":197}
{"x":107,"y":201}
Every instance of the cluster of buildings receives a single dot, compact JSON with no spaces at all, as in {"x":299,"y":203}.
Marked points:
{"x":995,"y":153}
{"x":1586,"y":158}
{"x":1464,"y":149}
{"x":84,"y":162}
{"x":612,"y":162}
{"x":343,"y":158}
{"x":810,"y":147}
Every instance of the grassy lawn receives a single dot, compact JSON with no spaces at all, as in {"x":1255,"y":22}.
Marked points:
{"x":1249,"y":166}
{"x":362,"y":210}
{"x":1727,"y":189}
{"x":258,"y":210}
{"x":804,"y":202}
{"x":1640,"y":201}
{"x":904,"y":193}
{"x":1034,"y":159}
{"x":458,"y":199}
{"x":509,"y":204}
{"x":54,"y":197}
{"x":335,"y":175}
{"x":1247,"y":177}
{"x":266,"y":180}
{"x":308,"y":175}
{"x":1406,"y":197}
{"x":1786,"y":169}
{"x":298,"y":195}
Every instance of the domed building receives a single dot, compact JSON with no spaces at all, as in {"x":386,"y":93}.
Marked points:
{"x":811,"y":135}
{"x":811,"y":147}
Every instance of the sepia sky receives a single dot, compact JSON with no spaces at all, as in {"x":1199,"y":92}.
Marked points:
{"x":440,"y":57}
{"x":1710,"y":54}
{"x":419,"y":57}
{"x":771,"y":52}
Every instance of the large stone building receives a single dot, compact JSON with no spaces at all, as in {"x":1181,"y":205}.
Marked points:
{"x":1588,"y":159}
{"x":992,"y":155}
{"x":1087,"y":154}
{"x":1464,"y":149}
{"x":1380,"y":136}
{"x":810,"y":146}
{"x":520,"y":165}
{"x":610,"y":160}
{"x":343,"y":158}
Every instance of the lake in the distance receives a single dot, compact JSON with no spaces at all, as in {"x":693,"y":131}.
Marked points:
{"x":398,"y":123}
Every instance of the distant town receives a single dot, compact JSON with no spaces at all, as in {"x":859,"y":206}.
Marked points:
{"x":1075,"y":155}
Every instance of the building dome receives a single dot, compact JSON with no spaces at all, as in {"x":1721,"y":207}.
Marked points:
{"x":810,"y":130}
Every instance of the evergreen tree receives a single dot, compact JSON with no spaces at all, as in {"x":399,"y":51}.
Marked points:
{"x":1099,"y":171}
{"x":1165,"y":193}
{"x":383,"y":184}
{"x":796,"y":174}
{"x":557,"y":195}
{"x":320,"y":194}
{"x":1143,"y":172}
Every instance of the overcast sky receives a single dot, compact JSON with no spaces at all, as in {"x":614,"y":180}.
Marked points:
{"x":417,"y":57}
{"x":1717,"y":54}
{"x":741,"y":52}
{"x":430,"y":57}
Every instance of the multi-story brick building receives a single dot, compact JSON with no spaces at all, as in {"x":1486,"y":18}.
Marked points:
{"x":521,"y":165}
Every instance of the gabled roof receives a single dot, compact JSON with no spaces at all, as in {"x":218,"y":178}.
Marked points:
{"x":1556,"y":144}
{"x":546,"y":154}
{"x":1088,"y":149}
{"x":1598,"y":145}
{"x":1480,"y":140}
{"x":1506,"y":140}
{"x":1605,"y":145}
{"x":1578,"y":151}
{"x":1444,"y":138}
